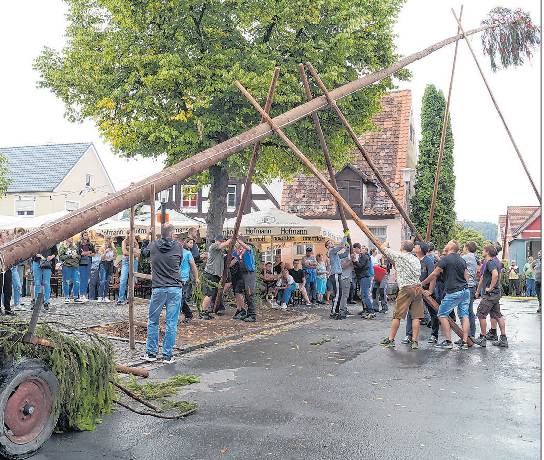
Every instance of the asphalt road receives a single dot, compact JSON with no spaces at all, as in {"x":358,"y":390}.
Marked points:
{"x":278,"y":397}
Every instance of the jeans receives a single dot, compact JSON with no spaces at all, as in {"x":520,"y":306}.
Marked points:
{"x":364,"y":283}
{"x":530,"y":291}
{"x":104,"y":287}
{"x":285,"y":294}
{"x":459,"y":299}
{"x":41,"y":276}
{"x":169,"y":297}
{"x":124,"y":277}
{"x":311,"y":290}
{"x":84,"y":275}
{"x":16,"y":284}
{"x":94,"y":283}
{"x":69,"y":277}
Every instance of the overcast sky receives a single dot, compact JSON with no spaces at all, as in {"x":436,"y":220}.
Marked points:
{"x":483,"y":151}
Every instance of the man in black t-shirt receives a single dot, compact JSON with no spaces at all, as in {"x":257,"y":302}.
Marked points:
{"x":300,"y":280}
{"x":456,"y":293}
{"x":489,"y":305}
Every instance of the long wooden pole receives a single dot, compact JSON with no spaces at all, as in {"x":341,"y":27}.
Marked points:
{"x":153,"y":211}
{"x":324,"y":147}
{"x":442,"y":141}
{"x":498,"y":110}
{"x":245,"y":194}
{"x":366,"y":156}
{"x":24,"y":247}
{"x":311,"y":167}
{"x":131,"y":334}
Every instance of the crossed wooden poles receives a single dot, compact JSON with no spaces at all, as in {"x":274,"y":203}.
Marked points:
{"x":331,"y":186}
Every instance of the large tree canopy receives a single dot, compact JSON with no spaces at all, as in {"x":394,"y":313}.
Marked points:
{"x":432,"y":118}
{"x":157,"y":76}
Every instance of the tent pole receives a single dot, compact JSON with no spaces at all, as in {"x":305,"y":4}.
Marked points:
{"x":442,"y":140}
{"x":245,"y":195}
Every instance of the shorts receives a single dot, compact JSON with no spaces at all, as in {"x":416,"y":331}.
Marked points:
{"x":459,"y":299}
{"x":409,"y":298}
{"x":489,"y":305}
{"x":329,"y":286}
{"x":210,"y":291}
{"x":238,"y":285}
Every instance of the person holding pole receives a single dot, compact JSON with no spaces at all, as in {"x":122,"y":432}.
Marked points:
{"x":123,"y":279}
{"x":335,"y":276}
{"x":245,"y":255}
{"x":166,"y":257}
{"x":410,"y":296}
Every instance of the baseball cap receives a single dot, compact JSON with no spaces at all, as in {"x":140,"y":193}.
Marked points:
{"x":424,"y":247}
{"x":219,"y":238}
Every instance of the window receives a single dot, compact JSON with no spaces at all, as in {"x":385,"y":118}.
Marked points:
{"x":231,"y":198}
{"x":71,"y":205}
{"x":378,"y":232}
{"x":189,"y":198}
{"x":353,"y":191}
{"x":24,"y":207}
{"x":301,"y":248}
{"x":88,"y":180}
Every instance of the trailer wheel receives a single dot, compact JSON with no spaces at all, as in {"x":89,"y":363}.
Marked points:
{"x":28,"y":406}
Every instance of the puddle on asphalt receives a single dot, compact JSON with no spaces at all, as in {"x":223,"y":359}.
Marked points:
{"x":210,"y":381}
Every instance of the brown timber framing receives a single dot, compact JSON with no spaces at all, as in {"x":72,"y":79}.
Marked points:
{"x":366,"y":156}
{"x":52,"y":233}
{"x":245,"y":195}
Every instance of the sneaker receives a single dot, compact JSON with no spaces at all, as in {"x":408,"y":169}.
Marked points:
{"x":119,"y":302}
{"x":458,"y":342}
{"x":348,"y":313}
{"x":84,"y":299}
{"x":333,"y":315}
{"x":105,"y":299}
{"x":149,"y":357}
{"x":46,"y":306}
{"x":167,"y":359}
{"x":388,"y":343}
{"x":32,"y":303}
{"x":502,"y":342}
{"x":283,"y":306}
{"x":10,"y":313}
{"x":407,"y":339}
{"x":464,"y":345}
{"x":220,"y":312}
{"x":414,"y":345}
{"x":187,"y":319}
{"x":433,"y":339}
{"x":66,"y":300}
{"x":80,"y":300}
{"x":444,"y":344}
{"x":250,"y":319}
{"x":491,"y":335}
{"x":309,"y":304}
{"x":240,"y":314}
{"x":340,"y":317}
{"x":482,"y":341}
{"x":205,"y":316}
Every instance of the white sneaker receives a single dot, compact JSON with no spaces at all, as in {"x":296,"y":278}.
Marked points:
{"x":79,"y":300}
{"x":105,"y":299}
{"x":283,"y":306}
{"x":66,"y":300}
{"x":84,"y":299}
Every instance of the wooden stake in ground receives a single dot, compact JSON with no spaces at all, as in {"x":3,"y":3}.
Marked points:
{"x":317,"y":124}
{"x":245,"y":195}
{"x":311,"y":167}
{"x":442,"y":140}
{"x":366,"y":156}
{"x":131,"y":334}
{"x":498,"y":110}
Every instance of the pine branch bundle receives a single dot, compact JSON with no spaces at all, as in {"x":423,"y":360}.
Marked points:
{"x":513,"y":40}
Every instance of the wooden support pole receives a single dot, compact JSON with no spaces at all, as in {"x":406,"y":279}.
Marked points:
{"x":153,"y":212}
{"x":366,"y":156}
{"x":442,"y":140}
{"x":310,"y":166}
{"x":454,"y":326}
{"x":317,"y":124}
{"x":498,"y":110}
{"x":245,"y":194}
{"x":131,"y":334}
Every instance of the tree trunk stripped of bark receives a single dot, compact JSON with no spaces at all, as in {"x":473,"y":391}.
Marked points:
{"x":218,"y":203}
{"x":30,"y":244}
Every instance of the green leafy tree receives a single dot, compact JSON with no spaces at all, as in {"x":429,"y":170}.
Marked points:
{"x":157,"y":76}
{"x":469,"y":234}
{"x":432,"y":119}
{"x":5,"y":180}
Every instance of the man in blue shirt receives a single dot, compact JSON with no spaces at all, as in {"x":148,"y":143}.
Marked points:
{"x":335,"y":276}
{"x":246,"y":258}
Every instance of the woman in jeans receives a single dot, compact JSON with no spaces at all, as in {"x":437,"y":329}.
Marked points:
{"x":123,"y":280}
{"x":69,"y":257}
{"x":42,"y":274}
{"x":107,"y":255}
{"x":86,"y":249}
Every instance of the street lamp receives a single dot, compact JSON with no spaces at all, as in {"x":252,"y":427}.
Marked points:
{"x":407,"y":177}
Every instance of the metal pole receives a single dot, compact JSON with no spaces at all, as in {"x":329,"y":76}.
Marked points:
{"x":498,"y":110}
{"x":362,"y":150}
{"x":131,"y":334}
{"x":442,"y":140}
{"x":31,"y":243}
{"x":245,"y":194}
{"x":325,"y":148}
{"x":311,"y":167}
